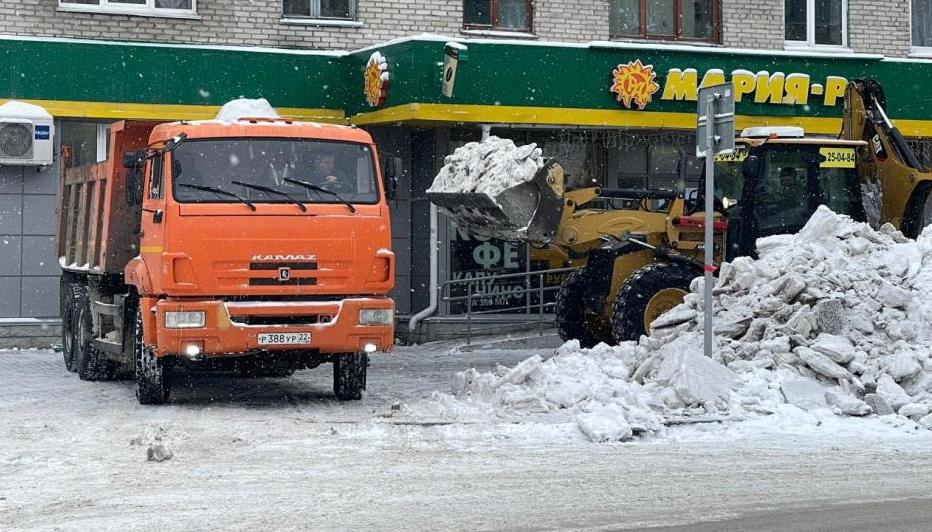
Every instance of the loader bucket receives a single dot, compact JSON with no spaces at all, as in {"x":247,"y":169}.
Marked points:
{"x":530,"y":211}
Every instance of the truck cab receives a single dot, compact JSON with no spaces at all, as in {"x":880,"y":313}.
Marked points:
{"x":260,"y":243}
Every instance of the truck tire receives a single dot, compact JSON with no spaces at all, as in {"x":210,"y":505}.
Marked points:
{"x":349,"y":375}
{"x":646,"y":294}
{"x":570,"y":311}
{"x":71,"y":294}
{"x":91,"y":364}
{"x":153,"y":383}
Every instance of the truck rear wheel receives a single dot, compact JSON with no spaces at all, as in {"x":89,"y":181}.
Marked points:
{"x":91,"y":364}
{"x":71,"y":295}
{"x":570,"y":311}
{"x":349,"y":375}
{"x":646,"y":294}
{"x":153,"y":385}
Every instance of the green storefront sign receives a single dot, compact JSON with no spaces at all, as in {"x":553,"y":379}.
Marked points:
{"x":595,"y":84}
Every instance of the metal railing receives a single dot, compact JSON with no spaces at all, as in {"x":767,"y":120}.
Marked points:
{"x":529,"y":307}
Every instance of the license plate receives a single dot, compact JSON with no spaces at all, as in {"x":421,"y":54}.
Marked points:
{"x":284,"y":338}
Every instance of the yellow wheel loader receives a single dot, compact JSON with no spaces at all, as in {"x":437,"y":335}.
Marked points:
{"x":895,"y":182}
{"x":637,"y":263}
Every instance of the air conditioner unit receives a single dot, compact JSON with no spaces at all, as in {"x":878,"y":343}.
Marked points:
{"x":27,"y":135}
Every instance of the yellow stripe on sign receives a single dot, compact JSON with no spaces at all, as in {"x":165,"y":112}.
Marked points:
{"x":122,"y":111}
{"x":432,"y":113}
{"x":837,"y":157}
{"x":151,"y":249}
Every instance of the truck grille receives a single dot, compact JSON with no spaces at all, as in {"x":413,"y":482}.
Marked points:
{"x":293,"y":266}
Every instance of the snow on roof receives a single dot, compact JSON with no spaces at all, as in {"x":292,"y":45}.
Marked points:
{"x":15,"y":109}
{"x":246,"y":108}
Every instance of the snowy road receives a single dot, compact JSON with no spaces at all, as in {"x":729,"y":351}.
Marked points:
{"x":283,"y":454}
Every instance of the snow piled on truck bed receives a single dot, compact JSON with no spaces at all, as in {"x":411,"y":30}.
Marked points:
{"x":488,"y":167}
{"x":833,"y":321}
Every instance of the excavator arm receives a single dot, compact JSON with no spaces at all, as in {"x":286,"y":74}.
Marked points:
{"x":889,"y":165}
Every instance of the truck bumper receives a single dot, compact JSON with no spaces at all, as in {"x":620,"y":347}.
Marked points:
{"x":234,"y":328}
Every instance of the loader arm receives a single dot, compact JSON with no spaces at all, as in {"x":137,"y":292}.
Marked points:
{"x":888,"y":163}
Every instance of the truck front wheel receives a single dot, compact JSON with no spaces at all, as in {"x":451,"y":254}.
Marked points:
{"x":349,"y":375}
{"x":152,"y":373}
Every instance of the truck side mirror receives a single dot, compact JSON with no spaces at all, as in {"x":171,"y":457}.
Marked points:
{"x":391,"y":170}
{"x":134,"y":162}
{"x":750,"y":167}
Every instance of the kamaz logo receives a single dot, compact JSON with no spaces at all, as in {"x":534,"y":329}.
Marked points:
{"x":283,"y":258}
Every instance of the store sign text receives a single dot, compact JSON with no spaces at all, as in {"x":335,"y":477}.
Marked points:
{"x":762,"y":87}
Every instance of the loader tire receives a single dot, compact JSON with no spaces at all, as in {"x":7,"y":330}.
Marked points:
{"x":349,"y":375}
{"x":646,"y":294}
{"x":570,"y":311}
{"x":90,"y":363}
{"x":153,"y":384}
{"x":71,"y":294}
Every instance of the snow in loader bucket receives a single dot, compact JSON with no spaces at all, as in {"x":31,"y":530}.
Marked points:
{"x":495,"y":189}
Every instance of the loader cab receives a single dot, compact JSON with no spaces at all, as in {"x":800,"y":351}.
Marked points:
{"x":772,"y":184}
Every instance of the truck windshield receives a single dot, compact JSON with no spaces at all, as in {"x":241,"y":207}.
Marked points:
{"x":264,"y":171}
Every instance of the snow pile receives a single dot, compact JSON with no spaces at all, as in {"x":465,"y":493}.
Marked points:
{"x":488,"y":167}
{"x":246,"y":108}
{"x":15,"y":109}
{"x":837,"y":317}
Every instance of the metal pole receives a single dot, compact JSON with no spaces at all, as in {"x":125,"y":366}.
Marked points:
{"x":709,"y":206}
{"x":468,"y":312}
{"x":540,"y":301}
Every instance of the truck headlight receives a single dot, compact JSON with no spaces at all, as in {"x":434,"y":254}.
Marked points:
{"x":375,"y":317}
{"x":184,"y":319}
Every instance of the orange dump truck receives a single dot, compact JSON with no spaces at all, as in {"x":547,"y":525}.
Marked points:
{"x":258,"y":246}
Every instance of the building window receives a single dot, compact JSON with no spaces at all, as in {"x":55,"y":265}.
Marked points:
{"x":319,"y":9}
{"x":133,"y":7}
{"x":508,"y":15}
{"x":816,"y":22}
{"x":922,"y":25}
{"x":686,"y":20}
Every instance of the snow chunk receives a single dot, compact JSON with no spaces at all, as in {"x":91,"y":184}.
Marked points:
{"x":695,"y":378}
{"x":246,"y":108}
{"x":488,"y":167}
{"x":606,"y":424}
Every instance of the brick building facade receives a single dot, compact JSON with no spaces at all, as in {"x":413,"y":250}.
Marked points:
{"x":873,"y":26}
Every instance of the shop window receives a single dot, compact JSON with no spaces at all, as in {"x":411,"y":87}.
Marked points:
{"x":687,"y":20}
{"x":816,"y":23}
{"x":133,"y":7}
{"x":319,"y":9}
{"x":922,"y":25}
{"x":508,"y":15}
{"x":84,"y":143}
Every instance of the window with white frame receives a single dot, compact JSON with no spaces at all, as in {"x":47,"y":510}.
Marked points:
{"x":133,"y":7}
{"x":319,"y":9}
{"x":816,"y":22}
{"x":922,"y":25}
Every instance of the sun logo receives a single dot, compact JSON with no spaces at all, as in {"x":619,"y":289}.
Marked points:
{"x":634,"y":82}
{"x":376,"y":79}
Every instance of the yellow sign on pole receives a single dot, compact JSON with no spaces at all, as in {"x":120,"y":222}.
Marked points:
{"x":736,"y":156}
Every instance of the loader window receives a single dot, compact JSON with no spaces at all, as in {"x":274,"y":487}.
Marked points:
{"x":346,"y":169}
{"x":784,"y":194}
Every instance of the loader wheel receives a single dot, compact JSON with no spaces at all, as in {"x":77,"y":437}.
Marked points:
{"x":71,"y":294}
{"x":646,"y":294}
{"x":349,"y":375}
{"x":570,"y":311}
{"x":91,"y":364}
{"x":152,"y":373}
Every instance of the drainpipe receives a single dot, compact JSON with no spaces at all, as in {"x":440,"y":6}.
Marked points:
{"x":434,"y":259}
{"x":434,"y":282}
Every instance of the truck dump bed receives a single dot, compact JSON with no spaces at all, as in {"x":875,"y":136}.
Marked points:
{"x":97,"y":230}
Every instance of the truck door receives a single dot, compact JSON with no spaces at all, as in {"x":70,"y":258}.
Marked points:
{"x":152,"y":239}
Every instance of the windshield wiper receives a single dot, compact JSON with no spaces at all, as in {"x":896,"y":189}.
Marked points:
{"x":319,"y":188}
{"x":271,"y":191}
{"x":218,"y":191}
